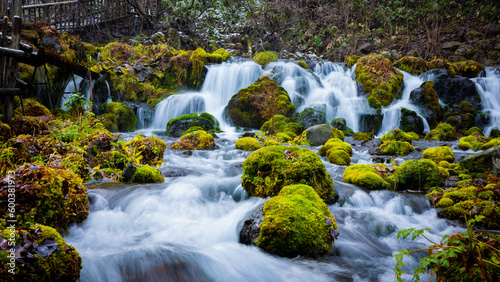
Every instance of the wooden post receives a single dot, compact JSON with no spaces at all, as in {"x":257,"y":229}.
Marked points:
{"x":12,"y":70}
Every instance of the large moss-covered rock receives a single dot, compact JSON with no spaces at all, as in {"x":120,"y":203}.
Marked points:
{"x":401,"y":148}
{"x":379,"y":78}
{"x":296,"y":222}
{"x":45,"y":195}
{"x":412,"y":65}
{"x":426,"y":99}
{"x":151,"y":149}
{"x":142,"y":174}
{"x":363,"y":136}
{"x":264,"y":58}
{"x":178,"y":125}
{"x":45,"y":255}
{"x":310,"y":117}
{"x":320,"y":134}
{"x":442,"y":132}
{"x":461,"y":116}
{"x":439,"y":154}
{"x":487,"y":161}
{"x":269,"y":169}
{"x":252,"y":106}
{"x":416,"y":175}
{"x":491,"y":143}
{"x":119,"y":118}
{"x":397,"y":135}
{"x":196,"y":140}
{"x":248,"y":144}
{"x":367,"y":176}
{"x":32,"y":108}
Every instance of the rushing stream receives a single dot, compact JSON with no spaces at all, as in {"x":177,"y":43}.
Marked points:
{"x":187,"y":228}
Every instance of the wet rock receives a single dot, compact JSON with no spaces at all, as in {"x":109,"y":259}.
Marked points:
{"x":425,"y":97}
{"x":491,"y":29}
{"x":128,"y":172}
{"x":310,"y":117}
{"x":251,"y":228}
{"x":173,"y":172}
{"x":319,"y":134}
{"x":487,"y":161}
{"x":453,"y":89}
{"x":411,"y":122}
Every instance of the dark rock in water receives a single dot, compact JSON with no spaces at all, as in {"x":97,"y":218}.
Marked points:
{"x":487,"y":161}
{"x":247,"y":134}
{"x":173,"y":171}
{"x":177,"y":126}
{"x":341,"y":124}
{"x":129,"y":171}
{"x":310,"y":117}
{"x":187,"y":153}
{"x":370,"y":122}
{"x":425,"y":97}
{"x":410,"y":121}
{"x":319,"y":134}
{"x":251,"y":228}
{"x":453,"y":89}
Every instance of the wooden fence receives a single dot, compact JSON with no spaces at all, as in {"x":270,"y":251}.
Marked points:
{"x":68,"y":15}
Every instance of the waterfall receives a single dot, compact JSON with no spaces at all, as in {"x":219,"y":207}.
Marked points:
{"x":72,"y":86}
{"x":221,"y":83}
{"x":392,"y":113}
{"x":489,"y":90}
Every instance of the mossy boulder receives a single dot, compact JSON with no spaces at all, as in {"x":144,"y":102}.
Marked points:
{"x":412,"y":65}
{"x":411,"y":122}
{"x":264,"y":58}
{"x":469,"y":68}
{"x":491,"y":143}
{"x":256,"y":104}
{"x":416,"y":175}
{"x":119,"y":118}
{"x":442,"y":132}
{"x":337,"y":151}
{"x":363,"y":136}
{"x":116,"y":51}
{"x":32,"y":108}
{"x":302,"y":64}
{"x":461,"y":116}
{"x":370,"y":122}
{"x":426,"y":98}
{"x":5,"y":133}
{"x":320,"y":134}
{"x":45,"y":256}
{"x":48,"y":196}
{"x":150,"y":149}
{"x":142,"y":174}
{"x":219,"y":56}
{"x":341,"y":124}
{"x":495,"y":133}
{"x":310,"y":117}
{"x":248,"y":144}
{"x":452,"y":89}
{"x":396,"y":135}
{"x":296,"y":222}
{"x":379,"y":78}
{"x":367,"y":176}
{"x":474,"y":131}
{"x":269,"y":169}
{"x":30,"y":125}
{"x":483,"y":162}
{"x":196,"y":140}
{"x":177,"y":126}
{"x":401,"y":148}
{"x":439,"y":154}
{"x":474,"y":142}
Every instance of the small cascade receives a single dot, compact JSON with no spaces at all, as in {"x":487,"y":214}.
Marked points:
{"x":489,"y":89}
{"x":72,"y":86}
{"x":221,"y":83}
{"x":392,"y":113}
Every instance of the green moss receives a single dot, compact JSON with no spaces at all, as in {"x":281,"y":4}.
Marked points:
{"x":401,"y":148}
{"x":31,"y":108}
{"x":417,"y":175}
{"x":293,"y":128}
{"x":150,"y":149}
{"x":474,"y":131}
{"x":269,"y":169}
{"x":294,"y":223}
{"x":363,"y":136}
{"x":489,"y":144}
{"x":380,"y":79}
{"x":256,"y":104}
{"x":271,"y":141}
{"x":119,"y":117}
{"x":63,"y":264}
{"x":301,"y":140}
{"x":113,"y":159}
{"x":438,"y":154}
{"x":54,"y":197}
{"x":341,"y":124}
{"x":276,"y":124}
{"x":443,"y":132}
{"x":116,"y":51}
{"x":5,"y":133}
{"x":474,"y":142}
{"x":397,"y":135}
{"x":366,"y":176}
{"x":444,"y":203}
{"x":495,"y":133}
{"x":196,"y":140}
{"x":338,"y":157}
{"x":248,"y":144}
{"x":176,"y":127}
{"x":302,"y":64}
{"x":77,"y":164}
{"x":375,"y":103}
{"x":335,"y":143}
{"x":412,"y":65}
{"x":219,"y":56}
{"x":264,"y":58}
{"x":413,"y":136}
{"x":351,"y":60}
{"x":468,"y":69}
{"x":147,"y":174}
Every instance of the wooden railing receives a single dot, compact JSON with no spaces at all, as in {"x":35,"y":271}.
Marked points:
{"x":68,"y":15}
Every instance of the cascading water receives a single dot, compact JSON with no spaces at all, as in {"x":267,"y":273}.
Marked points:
{"x":186,"y":229}
{"x":392,"y":113}
{"x":489,"y":89}
{"x":72,"y":86}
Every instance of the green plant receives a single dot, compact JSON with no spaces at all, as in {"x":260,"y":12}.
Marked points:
{"x":462,"y":256}
{"x":77,"y":102}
